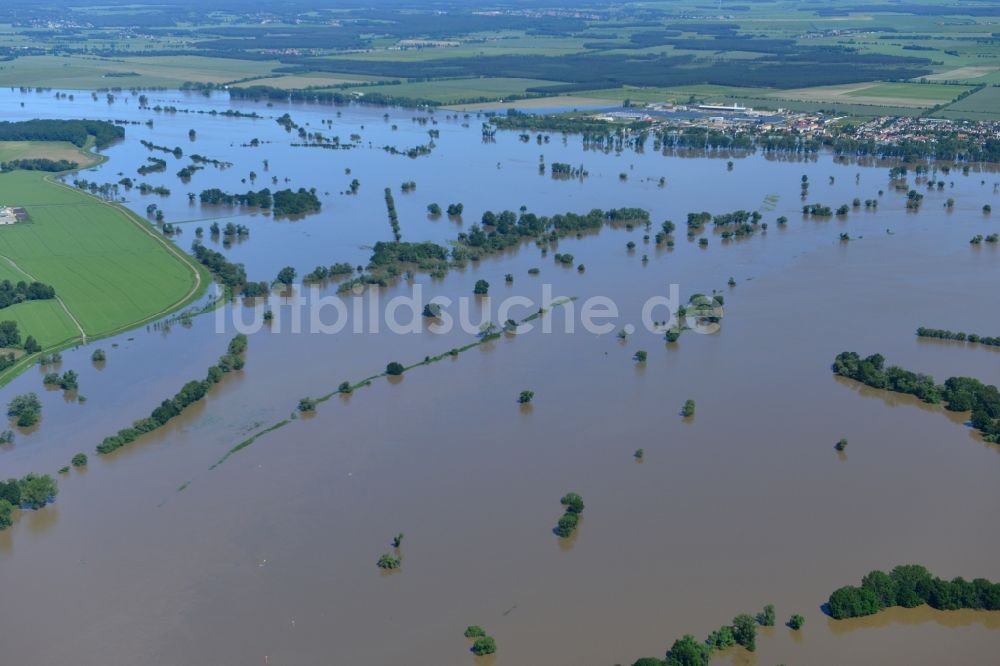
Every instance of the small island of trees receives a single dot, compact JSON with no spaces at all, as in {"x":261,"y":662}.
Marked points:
{"x":25,"y":408}
{"x":687,"y":411}
{"x":33,"y":491}
{"x":389,"y":562}
{"x":911,"y":585}
{"x":571,"y":517}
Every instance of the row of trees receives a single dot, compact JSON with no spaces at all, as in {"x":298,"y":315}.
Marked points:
{"x":153,"y":165}
{"x":911,"y":585}
{"x":959,"y":394}
{"x":817,"y":210}
{"x":390,"y":205}
{"x":742,"y":631}
{"x":321,"y":273}
{"x":959,"y":336}
{"x":73,"y":131}
{"x":201,"y":159}
{"x":229,"y":274}
{"x":39,"y":164}
{"x":175,"y":151}
{"x":191,"y":392}
{"x":11,"y":294}
{"x":499,"y":232}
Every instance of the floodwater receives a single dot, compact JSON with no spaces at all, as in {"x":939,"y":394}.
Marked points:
{"x":270,"y":557}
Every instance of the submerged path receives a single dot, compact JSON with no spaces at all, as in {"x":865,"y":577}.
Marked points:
{"x":482,"y":339}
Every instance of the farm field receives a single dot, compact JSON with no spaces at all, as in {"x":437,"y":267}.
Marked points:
{"x":51,"y":150}
{"x":110,"y":272}
{"x":45,"y":320}
{"x":91,"y":73}
{"x":971,"y":73}
{"x":981,"y":105}
{"x":678,"y":95}
{"x":452,"y":90}
{"x":846,"y":108}
{"x":299,"y":81}
{"x":917,"y":95}
{"x":568,"y":102}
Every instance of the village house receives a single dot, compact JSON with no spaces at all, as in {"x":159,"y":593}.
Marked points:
{"x":12,"y":215}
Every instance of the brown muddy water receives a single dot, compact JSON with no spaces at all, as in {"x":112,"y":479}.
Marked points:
{"x":270,"y":557}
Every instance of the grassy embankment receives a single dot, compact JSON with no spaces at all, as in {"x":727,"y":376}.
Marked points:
{"x":111,"y":270}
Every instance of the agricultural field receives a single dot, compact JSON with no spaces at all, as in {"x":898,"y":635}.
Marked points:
{"x":91,"y":73}
{"x":109,"y":269}
{"x":301,"y":81}
{"x":981,"y":105}
{"x":678,"y":95}
{"x":859,"y":56}
{"x":916,"y":95}
{"x":51,"y":150}
{"x":450,"y":91}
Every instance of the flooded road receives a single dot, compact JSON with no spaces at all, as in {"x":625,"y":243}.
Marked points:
{"x":270,"y":557}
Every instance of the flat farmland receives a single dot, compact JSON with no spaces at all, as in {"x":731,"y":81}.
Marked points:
{"x":112,"y":271}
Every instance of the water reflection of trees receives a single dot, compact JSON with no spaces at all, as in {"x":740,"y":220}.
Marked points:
{"x":893,"y":399}
{"x":898,"y":615}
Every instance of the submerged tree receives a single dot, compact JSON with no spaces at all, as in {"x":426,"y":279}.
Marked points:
{"x":745,"y":631}
{"x":766,"y":617}
{"x":387,"y":561}
{"x":484,"y":645}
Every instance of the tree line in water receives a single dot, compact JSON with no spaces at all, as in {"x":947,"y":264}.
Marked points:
{"x":959,"y":394}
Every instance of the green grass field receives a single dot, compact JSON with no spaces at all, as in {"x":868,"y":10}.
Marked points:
{"x":309,"y":80}
{"x":52,"y":150}
{"x":982,"y":105}
{"x":449,"y":90}
{"x":923,"y":92}
{"x":111,"y":270}
{"x":90,"y":73}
